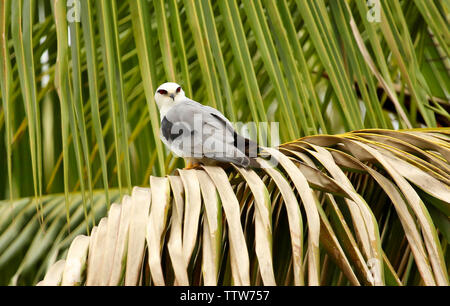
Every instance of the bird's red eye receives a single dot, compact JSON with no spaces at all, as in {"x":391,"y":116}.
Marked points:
{"x":178,"y":89}
{"x":162,"y":92}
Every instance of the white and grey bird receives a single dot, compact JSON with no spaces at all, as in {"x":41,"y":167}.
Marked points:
{"x":199,"y":133}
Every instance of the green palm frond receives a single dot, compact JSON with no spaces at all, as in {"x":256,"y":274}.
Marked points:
{"x":82,"y":116}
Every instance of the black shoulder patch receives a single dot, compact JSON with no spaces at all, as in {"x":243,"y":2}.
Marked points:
{"x":219,"y":118}
{"x":166,"y":129}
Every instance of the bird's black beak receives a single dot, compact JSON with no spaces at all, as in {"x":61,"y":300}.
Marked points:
{"x":172,"y":96}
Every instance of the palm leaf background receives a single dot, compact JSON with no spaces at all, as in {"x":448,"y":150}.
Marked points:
{"x":77,"y":117}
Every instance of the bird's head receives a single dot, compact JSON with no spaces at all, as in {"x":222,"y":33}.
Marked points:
{"x":168,"y":94}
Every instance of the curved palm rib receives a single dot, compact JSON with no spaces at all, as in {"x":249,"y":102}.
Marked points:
{"x":265,"y":227}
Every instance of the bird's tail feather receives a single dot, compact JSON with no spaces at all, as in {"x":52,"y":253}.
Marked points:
{"x":254,"y":163}
{"x":241,"y":161}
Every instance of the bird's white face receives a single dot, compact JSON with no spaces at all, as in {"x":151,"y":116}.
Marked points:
{"x":167,"y":95}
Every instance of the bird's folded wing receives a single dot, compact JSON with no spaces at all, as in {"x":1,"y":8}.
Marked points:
{"x":189,"y":127}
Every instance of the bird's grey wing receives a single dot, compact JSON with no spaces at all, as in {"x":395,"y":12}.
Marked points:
{"x":194,"y":130}
{"x":243,"y":144}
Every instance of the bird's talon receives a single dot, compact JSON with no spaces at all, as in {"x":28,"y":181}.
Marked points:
{"x":191,"y":166}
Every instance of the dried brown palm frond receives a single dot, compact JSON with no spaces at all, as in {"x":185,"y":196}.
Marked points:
{"x":368,"y":207}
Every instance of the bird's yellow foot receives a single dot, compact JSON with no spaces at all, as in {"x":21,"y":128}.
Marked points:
{"x":192,"y":165}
